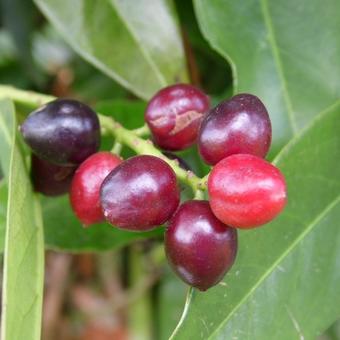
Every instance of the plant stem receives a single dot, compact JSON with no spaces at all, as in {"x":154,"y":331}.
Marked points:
{"x":130,"y":138}
{"x":142,"y":131}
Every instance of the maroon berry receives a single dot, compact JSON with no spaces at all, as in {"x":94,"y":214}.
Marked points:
{"x":246,"y":191}
{"x":85,"y":188}
{"x":63,"y":132}
{"x":238,"y":125}
{"x":140,"y":194}
{"x":199,"y":247}
{"x":50,"y":179}
{"x":174,"y":115}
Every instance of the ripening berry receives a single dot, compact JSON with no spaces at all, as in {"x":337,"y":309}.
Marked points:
{"x":140,"y":194}
{"x":174,"y":115}
{"x":199,"y":247}
{"x":238,"y":125}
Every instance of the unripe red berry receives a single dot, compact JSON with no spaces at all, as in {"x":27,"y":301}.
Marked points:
{"x":246,"y":191}
{"x":174,"y":115}
{"x":199,"y":247}
{"x":85,"y":187}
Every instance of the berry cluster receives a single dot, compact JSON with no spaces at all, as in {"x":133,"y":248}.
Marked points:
{"x":142,"y":192}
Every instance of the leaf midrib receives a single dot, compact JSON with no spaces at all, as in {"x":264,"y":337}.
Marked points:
{"x":279,"y":64}
{"x":87,"y":56}
{"x":143,"y":50}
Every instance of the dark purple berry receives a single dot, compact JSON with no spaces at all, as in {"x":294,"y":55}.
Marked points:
{"x":50,"y":179}
{"x":238,"y":125}
{"x":174,"y":115}
{"x":139,"y":194}
{"x":199,"y":247}
{"x":63,"y":132}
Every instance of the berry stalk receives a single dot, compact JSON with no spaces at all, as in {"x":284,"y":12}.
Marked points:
{"x":130,"y":138}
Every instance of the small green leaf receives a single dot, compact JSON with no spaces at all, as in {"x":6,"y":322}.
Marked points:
{"x":137,"y":43}
{"x":285,"y":51}
{"x":24,"y":246}
{"x":285,"y":283}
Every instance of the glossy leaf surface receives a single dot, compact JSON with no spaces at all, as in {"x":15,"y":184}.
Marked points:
{"x":137,"y":43}
{"x":286,"y":52}
{"x":24,"y":245}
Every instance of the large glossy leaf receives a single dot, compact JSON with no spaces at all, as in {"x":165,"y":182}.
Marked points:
{"x":24,"y":246}
{"x":285,"y":51}
{"x":6,"y":128}
{"x":3,"y":209}
{"x":285,"y":283}
{"x":135,"y":42}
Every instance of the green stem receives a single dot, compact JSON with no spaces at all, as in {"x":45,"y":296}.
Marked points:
{"x":130,"y":138}
{"x":143,"y":131}
{"x":146,"y":147}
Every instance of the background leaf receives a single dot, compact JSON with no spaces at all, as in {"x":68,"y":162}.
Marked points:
{"x":24,"y":247}
{"x":286,"y":280}
{"x":286,"y":52}
{"x":135,"y":42}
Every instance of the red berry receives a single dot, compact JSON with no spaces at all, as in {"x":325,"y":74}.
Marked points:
{"x":174,"y":115}
{"x":140,"y":194}
{"x":84,"y":193}
{"x":50,"y":179}
{"x":246,"y":191}
{"x":238,"y":125}
{"x":199,"y":247}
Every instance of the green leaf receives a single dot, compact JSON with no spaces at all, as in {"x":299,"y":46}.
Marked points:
{"x":127,"y":112}
{"x":64,"y":232}
{"x":137,"y":43}
{"x":3,"y":213}
{"x":24,"y":246}
{"x":285,"y":283}
{"x":6,"y":140}
{"x":286,"y":52}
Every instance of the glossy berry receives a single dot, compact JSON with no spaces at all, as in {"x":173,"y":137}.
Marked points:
{"x":246,"y":191}
{"x":63,"y":132}
{"x":174,"y":115}
{"x":140,"y":194}
{"x":238,"y":125}
{"x":199,"y":247}
{"x":50,"y":179}
{"x":86,"y":183}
